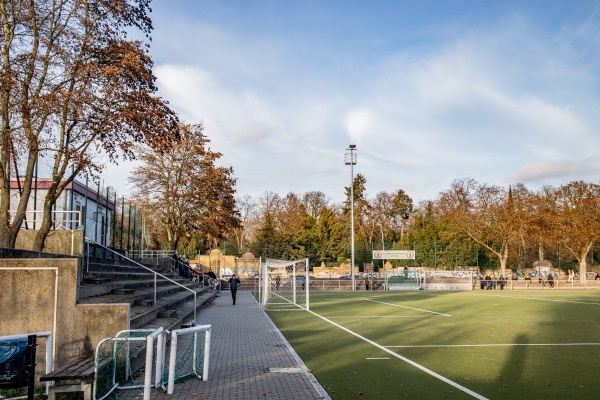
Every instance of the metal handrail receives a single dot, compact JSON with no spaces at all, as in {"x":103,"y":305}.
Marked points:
{"x":156,"y":274}
{"x":60,"y":222}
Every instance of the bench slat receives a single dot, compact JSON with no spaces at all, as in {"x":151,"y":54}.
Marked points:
{"x":81,"y":369}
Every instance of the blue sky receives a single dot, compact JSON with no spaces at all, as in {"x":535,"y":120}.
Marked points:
{"x":429,"y":91}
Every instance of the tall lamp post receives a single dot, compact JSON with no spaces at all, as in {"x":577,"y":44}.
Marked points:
{"x":350,"y":159}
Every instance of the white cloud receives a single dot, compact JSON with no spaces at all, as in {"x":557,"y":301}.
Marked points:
{"x":498,"y":103}
{"x":553,"y":171}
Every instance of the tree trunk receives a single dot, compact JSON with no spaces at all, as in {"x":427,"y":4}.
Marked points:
{"x":503,"y":258}
{"x":583,"y":263}
{"x":582,"y":270}
{"x":7,"y":237}
{"x":41,"y":235}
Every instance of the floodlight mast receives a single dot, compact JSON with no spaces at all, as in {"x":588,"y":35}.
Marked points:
{"x":350,"y":159}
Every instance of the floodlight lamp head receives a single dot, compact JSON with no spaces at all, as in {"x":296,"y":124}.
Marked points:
{"x":352,"y":146}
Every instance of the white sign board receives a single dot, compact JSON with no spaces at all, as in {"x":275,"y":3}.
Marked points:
{"x":393,"y":254}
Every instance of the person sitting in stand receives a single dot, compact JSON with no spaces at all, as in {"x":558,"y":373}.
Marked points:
{"x":212,"y":279}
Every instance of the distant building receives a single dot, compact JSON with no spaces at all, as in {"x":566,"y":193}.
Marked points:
{"x":78,"y":207}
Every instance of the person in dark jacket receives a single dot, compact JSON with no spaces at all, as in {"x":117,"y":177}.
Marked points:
{"x":212,"y":279}
{"x":233,"y":286}
{"x":551,"y":280}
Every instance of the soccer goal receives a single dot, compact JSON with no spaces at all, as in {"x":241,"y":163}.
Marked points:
{"x":402,"y":280}
{"x":284,"y":285}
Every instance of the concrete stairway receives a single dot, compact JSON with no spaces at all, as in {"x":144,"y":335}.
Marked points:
{"x":113,"y":281}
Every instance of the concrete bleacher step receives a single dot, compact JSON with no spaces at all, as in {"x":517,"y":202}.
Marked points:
{"x":144,"y":302}
{"x":94,"y":280}
{"x":185,"y":313}
{"x":124,"y":282}
{"x":167,"y":313}
{"x":143,"y":290}
{"x":142,"y":315}
{"x":121,"y":290}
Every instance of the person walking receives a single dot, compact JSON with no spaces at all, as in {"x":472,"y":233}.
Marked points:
{"x":233,"y":286}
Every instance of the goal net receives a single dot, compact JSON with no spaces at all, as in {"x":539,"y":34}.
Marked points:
{"x":284,"y":285}
{"x":402,"y":280}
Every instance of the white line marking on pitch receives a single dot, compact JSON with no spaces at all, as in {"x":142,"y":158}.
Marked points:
{"x":410,"y":308}
{"x":414,"y":364}
{"x":379,"y":316}
{"x":537,"y":298}
{"x":497,"y":345}
{"x":377,"y":358}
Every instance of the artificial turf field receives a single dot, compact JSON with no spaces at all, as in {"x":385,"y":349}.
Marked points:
{"x":450,"y":345}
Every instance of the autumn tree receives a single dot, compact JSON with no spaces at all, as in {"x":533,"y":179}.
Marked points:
{"x":576,"y":220}
{"x":185,"y":189}
{"x":290,"y":215}
{"x":528,"y":224}
{"x":482,"y":213}
{"x":315,"y":202}
{"x":392,"y":210}
{"x":73,"y":86}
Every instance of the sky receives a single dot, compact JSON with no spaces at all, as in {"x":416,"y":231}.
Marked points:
{"x":503,"y":92}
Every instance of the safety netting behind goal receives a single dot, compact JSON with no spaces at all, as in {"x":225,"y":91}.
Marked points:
{"x":119,"y":361}
{"x":284,"y":285}
{"x":188,"y":356}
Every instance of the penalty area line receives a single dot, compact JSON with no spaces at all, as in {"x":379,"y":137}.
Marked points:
{"x":410,"y":308}
{"x":541,"y":299}
{"x":377,"y":316}
{"x":494,"y":345}
{"x":414,"y":364}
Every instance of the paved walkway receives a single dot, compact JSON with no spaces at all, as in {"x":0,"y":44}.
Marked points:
{"x":250,"y":358}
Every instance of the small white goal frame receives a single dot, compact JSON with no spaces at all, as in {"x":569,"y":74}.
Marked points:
{"x":194,"y":330}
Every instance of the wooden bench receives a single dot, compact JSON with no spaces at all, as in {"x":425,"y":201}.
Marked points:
{"x":77,"y":376}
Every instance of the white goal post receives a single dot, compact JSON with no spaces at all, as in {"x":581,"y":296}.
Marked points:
{"x":284,"y":285}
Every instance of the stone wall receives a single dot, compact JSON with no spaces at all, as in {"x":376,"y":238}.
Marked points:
{"x":40,"y":295}
{"x":57,"y":242}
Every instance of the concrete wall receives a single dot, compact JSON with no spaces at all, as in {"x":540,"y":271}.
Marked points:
{"x":39,"y":295}
{"x":57,"y":242}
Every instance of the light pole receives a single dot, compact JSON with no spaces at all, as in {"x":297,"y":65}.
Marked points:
{"x":350,"y":159}
{"x":382,"y":246}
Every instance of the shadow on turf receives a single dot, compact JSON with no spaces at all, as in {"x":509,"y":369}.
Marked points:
{"x":515,"y":363}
